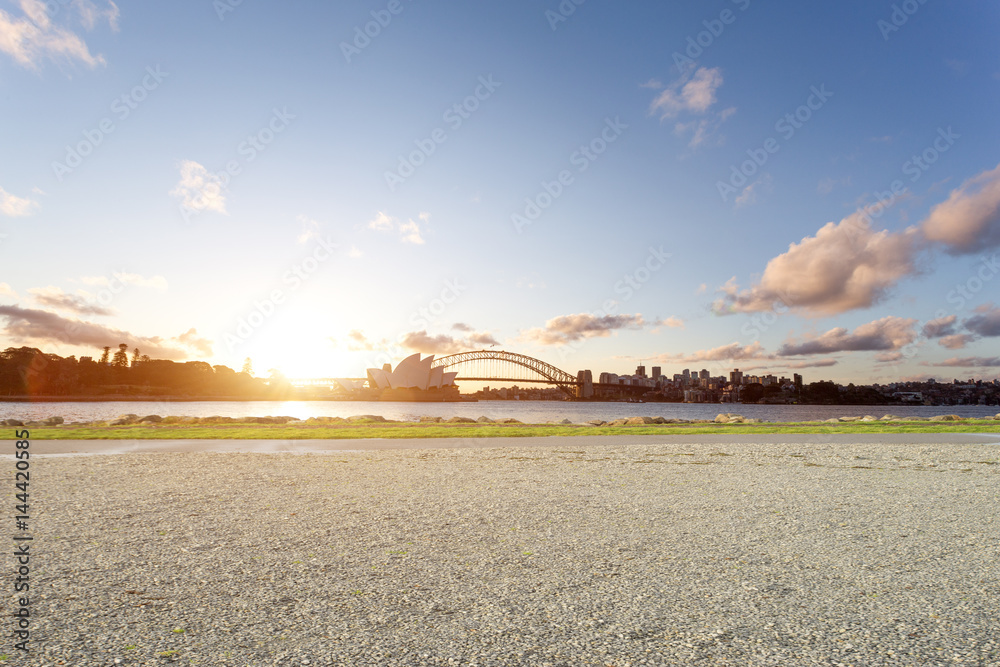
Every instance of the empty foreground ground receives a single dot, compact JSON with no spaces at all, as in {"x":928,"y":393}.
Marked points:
{"x":561,"y":554}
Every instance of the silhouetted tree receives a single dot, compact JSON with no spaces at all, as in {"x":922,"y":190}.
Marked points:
{"x":120,"y":359}
{"x":135,"y":357}
{"x":247,"y":367}
{"x":106,"y":357}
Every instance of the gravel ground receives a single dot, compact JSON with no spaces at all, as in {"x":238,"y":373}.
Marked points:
{"x":696,"y":554}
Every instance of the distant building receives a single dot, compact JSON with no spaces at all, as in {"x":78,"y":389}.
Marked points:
{"x":736,"y":377}
{"x":586,"y":387}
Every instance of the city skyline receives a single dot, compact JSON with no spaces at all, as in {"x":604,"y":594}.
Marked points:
{"x":324,"y":189}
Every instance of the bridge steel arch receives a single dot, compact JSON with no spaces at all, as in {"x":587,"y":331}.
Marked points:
{"x":547,"y":373}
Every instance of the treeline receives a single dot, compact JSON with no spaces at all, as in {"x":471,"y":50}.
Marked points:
{"x":28,"y":371}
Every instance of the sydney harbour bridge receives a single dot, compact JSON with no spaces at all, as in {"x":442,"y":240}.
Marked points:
{"x":503,"y":366}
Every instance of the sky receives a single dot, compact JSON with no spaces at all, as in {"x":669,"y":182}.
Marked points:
{"x":779,"y":187}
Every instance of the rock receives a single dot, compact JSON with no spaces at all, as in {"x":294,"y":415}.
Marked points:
{"x":849,"y":419}
{"x":431,"y":420}
{"x":831,"y":421}
{"x":126,"y":419}
{"x":32,"y":424}
{"x":660,"y":420}
{"x":997,"y":416}
{"x":485,"y":420}
{"x":461,"y":420}
{"x":946,"y":418}
{"x":730,"y":418}
{"x":508,"y":420}
{"x":889,"y":418}
{"x":53,"y":421}
{"x":120,"y":422}
{"x":638,"y":421}
{"x":566,"y":421}
{"x":597,"y":422}
{"x":868,"y":418}
{"x":215,"y":419}
{"x":325,"y":421}
{"x":618,"y":422}
{"x":367,"y":418}
{"x":18,"y":422}
{"x":151,"y":419}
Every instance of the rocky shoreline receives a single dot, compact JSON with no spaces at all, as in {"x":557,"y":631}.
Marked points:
{"x":722,"y":418}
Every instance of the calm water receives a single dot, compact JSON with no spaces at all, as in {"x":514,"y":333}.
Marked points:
{"x":526,"y":411}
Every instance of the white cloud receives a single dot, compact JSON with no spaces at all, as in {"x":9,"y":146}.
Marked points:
{"x":749,"y":194}
{"x":56,"y":298}
{"x":310,"y":229}
{"x":845,"y":266}
{"x":91,"y":14}
{"x":732,"y":351}
{"x":694,"y":94}
{"x":969,"y":221}
{"x":31,"y":37}
{"x":32,"y":326}
{"x":16,"y":207}
{"x":381,"y":222}
{"x":125,"y":278}
{"x":199,"y":190}
{"x":673,"y":323}
{"x":354,"y":253}
{"x":409,"y":231}
{"x":7,"y":290}
{"x":570,"y":328}
{"x":888,"y":334}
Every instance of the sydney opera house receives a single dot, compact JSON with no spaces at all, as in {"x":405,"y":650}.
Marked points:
{"x":412,"y":380}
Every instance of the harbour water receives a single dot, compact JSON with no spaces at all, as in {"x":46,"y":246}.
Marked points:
{"x":525,"y":411}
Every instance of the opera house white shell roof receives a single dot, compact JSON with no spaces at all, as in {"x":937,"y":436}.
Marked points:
{"x":411,"y":373}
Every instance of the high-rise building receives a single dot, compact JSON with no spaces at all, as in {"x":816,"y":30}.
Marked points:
{"x":640,"y":371}
{"x":657,"y":372}
{"x":736,"y":377}
{"x":704,"y":375}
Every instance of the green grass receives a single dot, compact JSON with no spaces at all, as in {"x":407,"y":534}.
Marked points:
{"x":415,"y":430}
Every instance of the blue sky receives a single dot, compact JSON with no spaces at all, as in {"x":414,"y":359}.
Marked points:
{"x":689,"y":184}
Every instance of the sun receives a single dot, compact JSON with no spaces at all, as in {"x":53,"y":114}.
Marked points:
{"x":300,"y":344}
